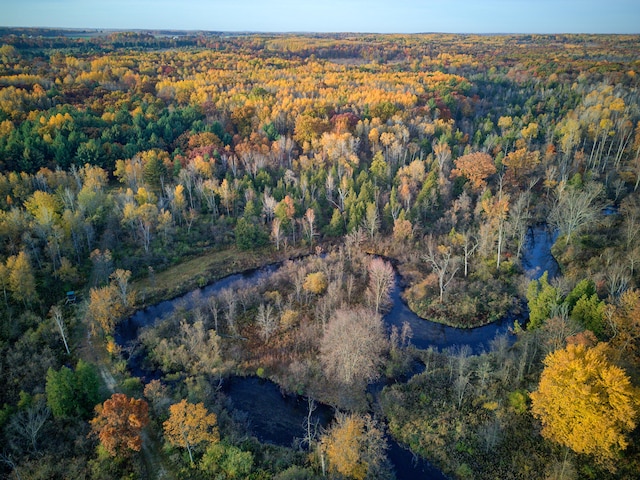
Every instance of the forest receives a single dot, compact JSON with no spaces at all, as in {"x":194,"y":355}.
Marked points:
{"x":289,"y":194}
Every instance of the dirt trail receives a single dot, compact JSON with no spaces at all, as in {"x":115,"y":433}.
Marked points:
{"x":152,"y":456}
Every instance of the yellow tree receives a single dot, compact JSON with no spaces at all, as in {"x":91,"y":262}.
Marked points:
{"x":22,"y":281}
{"x":4,"y":282}
{"x":315,"y":283}
{"x":624,"y":323}
{"x":189,"y":425}
{"x":105,"y":307}
{"x":585,"y":402}
{"x":521,"y":162}
{"x":354,"y":447}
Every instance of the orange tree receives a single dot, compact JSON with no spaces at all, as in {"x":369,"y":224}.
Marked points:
{"x":119,"y":422}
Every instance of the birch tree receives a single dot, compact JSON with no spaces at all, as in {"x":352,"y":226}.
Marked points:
{"x":443,"y":262}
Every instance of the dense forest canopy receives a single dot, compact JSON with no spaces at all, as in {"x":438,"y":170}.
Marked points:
{"x":135,"y":166}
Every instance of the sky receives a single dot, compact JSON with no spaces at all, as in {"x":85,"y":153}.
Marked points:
{"x":383,"y":16}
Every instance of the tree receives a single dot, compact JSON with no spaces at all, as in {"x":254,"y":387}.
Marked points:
{"x":120,"y":279}
{"x":105,"y":307}
{"x":585,"y":402}
{"x":27,"y":424}
{"x":589,"y":312}
{"x":354,"y":447}
{"x":118,"y":423}
{"x":190,"y":425}
{"x":624,"y":322}
{"x":477,"y":167}
{"x":249,"y":235}
{"x":521,"y":162}
{"x":58,"y":318}
{"x":142,"y":220}
{"x":308,"y":223}
{"x":267,"y":321}
{"x":381,"y":279}
{"x":542,"y":298}
{"x":193,"y":348}
{"x":442,"y":261}
{"x":73,"y":393}
{"x":574,"y":208}
{"x":22,"y":282}
{"x":352,"y":346}
{"x":276,"y":232}
{"x":371,"y":220}
{"x":4,"y":282}
{"x":496,"y":209}
{"x":224,"y":461}
{"x":402,"y":229}
{"x":315,"y":283}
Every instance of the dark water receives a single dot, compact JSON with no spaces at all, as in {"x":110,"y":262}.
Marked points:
{"x":273,"y":416}
{"x":536,"y":259}
{"x":280,"y":419}
{"x":127,"y":331}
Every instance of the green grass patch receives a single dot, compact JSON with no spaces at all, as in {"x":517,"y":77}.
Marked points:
{"x":203,"y":270}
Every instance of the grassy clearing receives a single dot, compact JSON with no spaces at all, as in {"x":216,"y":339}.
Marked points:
{"x":203,"y":270}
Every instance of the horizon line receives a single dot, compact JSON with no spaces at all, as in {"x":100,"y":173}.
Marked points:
{"x":303,"y":32}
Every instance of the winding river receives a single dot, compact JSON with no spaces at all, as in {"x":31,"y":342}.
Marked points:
{"x":286,"y":414}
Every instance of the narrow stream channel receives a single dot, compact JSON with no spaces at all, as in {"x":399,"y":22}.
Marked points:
{"x":286,"y":414}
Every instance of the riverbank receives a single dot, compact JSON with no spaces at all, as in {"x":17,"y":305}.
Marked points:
{"x":203,"y":270}
{"x":290,"y":353}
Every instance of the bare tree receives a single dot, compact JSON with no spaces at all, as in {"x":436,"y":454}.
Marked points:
{"x":460,"y":386}
{"x":120,"y":279}
{"x":299,"y":277}
{"x":519,"y":220}
{"x":469,"y":245}
{"x":27,"y":425}
{"x":490,"y":433}
{"x":276,"y":232}
{"x":56,"y":314}
{"x":618,"y":278}
{"x":350,"y":285}
{"x":230,"y":300}
{"x":214,"y":308}
{"x":269,"y":205}
{"x":267,"y":321}
{"x":311,"y":425}
{"x":381,"y":279}
{"x":442,"y":261}
{"x":308,"y":224}
{"x":371,"y":220}
{"x":574,"y":208}
{"x":352,"y":346}
{"x":10,"y":462}
{"x":483,"y":371}
{"x":554,"y":333}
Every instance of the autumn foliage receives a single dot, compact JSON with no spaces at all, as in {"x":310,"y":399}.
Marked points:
{"x":119,"y":422}
{"x":354,"y":447}
{"x":585,"y":402}
{"x":476,"y":167}
{"x":190,"y":425}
